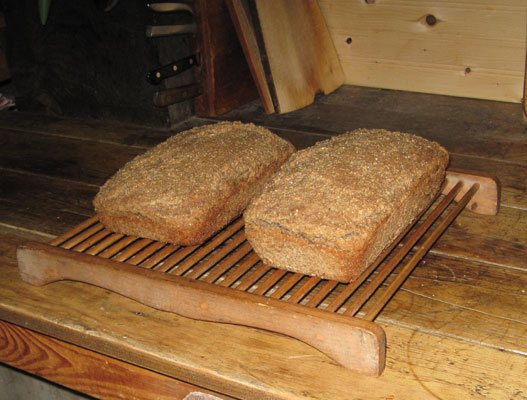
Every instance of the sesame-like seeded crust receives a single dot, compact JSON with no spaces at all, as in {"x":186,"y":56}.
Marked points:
{"x":334,"y":207}
{"x":190,"y":186}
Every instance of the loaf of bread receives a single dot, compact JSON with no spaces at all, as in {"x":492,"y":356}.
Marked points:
{"x":187,"y":188}
{"x":333,"y":208}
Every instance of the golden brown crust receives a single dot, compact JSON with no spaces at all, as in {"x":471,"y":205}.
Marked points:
{"x":343,"y":201}
{"x":190,"y":186}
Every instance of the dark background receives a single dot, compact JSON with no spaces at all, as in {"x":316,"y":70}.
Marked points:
{"x":86,"y":62}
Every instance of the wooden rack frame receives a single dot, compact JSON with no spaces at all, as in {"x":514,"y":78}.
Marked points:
{"x":223,"y":280}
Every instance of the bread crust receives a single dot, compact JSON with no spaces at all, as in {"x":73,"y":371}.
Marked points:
{"x":187,"y":188}
{"x":333,"y":208}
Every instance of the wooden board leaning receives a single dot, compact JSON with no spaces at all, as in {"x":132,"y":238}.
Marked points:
{"x":224,"y":281}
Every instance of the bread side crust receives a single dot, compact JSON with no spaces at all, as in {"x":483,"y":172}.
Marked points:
{"x":286,"y":250}
{"x":343,"y":258}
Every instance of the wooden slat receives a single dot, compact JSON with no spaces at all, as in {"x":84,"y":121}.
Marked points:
{"x":247,"y":281}
{"x":401,"y":252}
{"x":226,"y":263}
{"x":159,"y":256}
{"x":91,"y":240}
{"x":303,"y":290}
{"x":132,"y":249}
{"x":79,"y":228}
{"x":291,"y":281}
{"x":110,"y":240}
{"x":179,"y":255}
{"x":268,"y":283}
{"x":217,"y":256}
{"x":85,"y":234}
{"x":203,"y":250}
{"x":117,"y":247}
{"x":324,"y":290}
{"x":145,"y":253}
{"x":238,"y":271}
{"x":474,"y":49}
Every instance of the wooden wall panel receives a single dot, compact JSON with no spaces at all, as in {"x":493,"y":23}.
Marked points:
{"x":469,"y":49}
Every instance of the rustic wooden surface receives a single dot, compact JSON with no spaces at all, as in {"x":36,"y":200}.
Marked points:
{"x":471,"y":49}
{"x":84,"y":370}
{"x":456,"y":329}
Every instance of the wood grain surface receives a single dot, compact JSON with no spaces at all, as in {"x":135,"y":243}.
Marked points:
{"x":456,"y":329}
{"x":223,"y":72}
{"x":83,"y":370}
{"x":470,"y":49}
{"x":291,"y":52}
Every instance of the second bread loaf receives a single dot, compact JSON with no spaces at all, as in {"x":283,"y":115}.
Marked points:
{"x":333,"y":208}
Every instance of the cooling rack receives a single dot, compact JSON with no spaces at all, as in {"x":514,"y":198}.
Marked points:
{"x":223,"y":280}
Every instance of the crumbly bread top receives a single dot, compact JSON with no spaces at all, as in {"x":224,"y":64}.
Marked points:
{"x":339,"y":189}
{"x":191,"y":170}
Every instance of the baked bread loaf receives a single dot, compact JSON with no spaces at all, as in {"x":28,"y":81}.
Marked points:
{"x":334,"y":207}
{"x":190,"y":186}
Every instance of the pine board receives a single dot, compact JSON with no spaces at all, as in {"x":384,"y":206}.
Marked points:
{"x":294,"y":52}
{"x":80,"y":369}
{"x":475,"y":49}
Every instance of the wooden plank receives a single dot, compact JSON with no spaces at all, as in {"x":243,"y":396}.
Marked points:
{"x":43,"y":204}
{"x":223,"y":72}
{"x":83,"y":370}
{"x":463,"y":126}
{"x":93,"y":130}
{"x":474,"y":49}
{"x":292,"y":55}
{"x":497,"y":292}
{"x":242,"y":18}
{"x":487,"y":239}
{"x":77,"y":160}
{"x":480,"y":312}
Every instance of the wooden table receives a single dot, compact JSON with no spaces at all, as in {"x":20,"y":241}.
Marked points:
{"x":455,"y":330}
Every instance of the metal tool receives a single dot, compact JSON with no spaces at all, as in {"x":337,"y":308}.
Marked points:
{"x":157,"y":75}
{"x":165,"y":30}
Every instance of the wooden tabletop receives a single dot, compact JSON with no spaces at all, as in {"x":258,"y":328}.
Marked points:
{"x":456,"y":329}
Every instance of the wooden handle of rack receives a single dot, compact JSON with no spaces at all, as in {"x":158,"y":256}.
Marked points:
{"x":487,"y":198}
{"x":354,"y":343}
